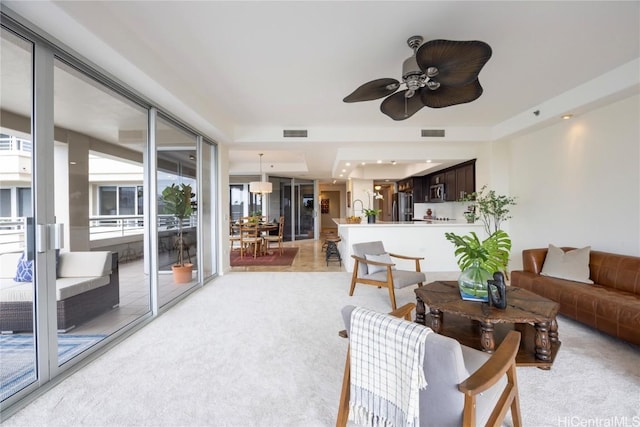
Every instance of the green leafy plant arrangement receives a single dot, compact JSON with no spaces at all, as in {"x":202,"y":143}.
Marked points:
{"x":492,"y":254}
{"x":490,"y":207}
{"x":372,"y":212}
{"x":177,"y":202}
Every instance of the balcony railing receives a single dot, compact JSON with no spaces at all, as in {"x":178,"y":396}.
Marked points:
{"x":12,"y":234}
{"x":12,"y":143}
{"x":13,"y":230}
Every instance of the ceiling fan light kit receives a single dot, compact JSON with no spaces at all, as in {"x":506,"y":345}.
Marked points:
{"x":439,"y":74}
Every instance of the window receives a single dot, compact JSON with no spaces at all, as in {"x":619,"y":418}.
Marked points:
{"x":127,"y":200}
{"x":5,"y":202}
{"x":107,"y":200}
{"x":24,"y":202}
{"x":120,"y":200}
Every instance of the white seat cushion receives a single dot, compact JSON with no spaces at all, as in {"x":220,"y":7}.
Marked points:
{"x":84,"y":264}
{"x":401,"y":278}
{"x":66,"y":287}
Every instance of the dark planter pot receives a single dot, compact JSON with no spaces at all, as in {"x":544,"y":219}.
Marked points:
{"x":371,"y":219}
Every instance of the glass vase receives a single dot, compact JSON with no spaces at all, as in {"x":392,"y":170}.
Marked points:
{"x":472,"y":283}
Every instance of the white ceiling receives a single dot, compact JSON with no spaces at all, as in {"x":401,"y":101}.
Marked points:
{"x":243,"y":71}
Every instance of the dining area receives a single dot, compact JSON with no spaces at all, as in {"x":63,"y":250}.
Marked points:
{"x":255,"y":236}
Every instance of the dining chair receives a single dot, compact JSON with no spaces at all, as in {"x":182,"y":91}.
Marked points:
{"x":374,"y":266}
{"x":234,"y":235}
{"x":249,"y":238}
{"x":277,"y":238}
{"x":464,"y":386}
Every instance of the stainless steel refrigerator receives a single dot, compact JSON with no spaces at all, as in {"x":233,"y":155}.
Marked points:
{"x":403,"y":207}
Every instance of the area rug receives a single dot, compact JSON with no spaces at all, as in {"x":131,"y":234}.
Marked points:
{"x":275,"y":259}
{"x":17,"y":358}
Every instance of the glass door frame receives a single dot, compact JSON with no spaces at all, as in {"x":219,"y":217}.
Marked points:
{"x":294,"y":209}
{"x":42,"y":124}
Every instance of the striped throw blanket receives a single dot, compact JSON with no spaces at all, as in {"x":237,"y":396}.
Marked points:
{"x":387,"y":355}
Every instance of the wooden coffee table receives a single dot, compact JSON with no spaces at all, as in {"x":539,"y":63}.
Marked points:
{"x":477,"y":325}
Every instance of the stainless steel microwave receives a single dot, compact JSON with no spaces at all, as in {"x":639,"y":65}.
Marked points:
{"x":436,"y":193}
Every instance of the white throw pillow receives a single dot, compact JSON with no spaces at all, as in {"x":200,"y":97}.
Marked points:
{"x":385,"y":257}
{"x":572,"y":265}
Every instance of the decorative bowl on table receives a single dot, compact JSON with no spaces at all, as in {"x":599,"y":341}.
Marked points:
{"x":353,"y":220}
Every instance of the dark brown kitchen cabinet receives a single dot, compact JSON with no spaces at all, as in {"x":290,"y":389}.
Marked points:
{"x":450,"y":186}
{"x":416,"y":186}
{"x":465,"y":180}
{"x":437,"y":178}
{"x":459,"y":180}
{"x":420,"y":190}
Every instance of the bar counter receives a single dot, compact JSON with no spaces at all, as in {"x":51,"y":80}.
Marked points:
{"x":415,"y":238}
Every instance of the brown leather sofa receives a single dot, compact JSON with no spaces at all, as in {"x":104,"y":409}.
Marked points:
{"x":611,"y":304}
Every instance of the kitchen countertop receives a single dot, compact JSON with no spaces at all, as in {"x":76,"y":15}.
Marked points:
{"x":419,"y":222}
{"x":415,"y":238}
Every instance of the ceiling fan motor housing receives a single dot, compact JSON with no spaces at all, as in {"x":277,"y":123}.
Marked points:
{"x":410,"y":68}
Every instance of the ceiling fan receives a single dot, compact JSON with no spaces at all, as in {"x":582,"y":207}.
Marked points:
{"x":440,"y":73}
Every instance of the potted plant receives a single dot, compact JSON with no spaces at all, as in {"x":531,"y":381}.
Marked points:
{"x":177,"y":202}
{"x":255,"y":218}
{"x":489,"y":207}
{"x":470,"y":216}
{"x":479,"y":260}
{"x":371,"y":214}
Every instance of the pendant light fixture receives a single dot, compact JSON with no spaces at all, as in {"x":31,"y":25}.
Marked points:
{"x":262,"y":187}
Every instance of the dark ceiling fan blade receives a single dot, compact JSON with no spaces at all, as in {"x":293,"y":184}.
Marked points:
{"x":374,"y":89}
{"x":445,"y":96}
{"x":458,"y":62}
{"x":398,"y":107}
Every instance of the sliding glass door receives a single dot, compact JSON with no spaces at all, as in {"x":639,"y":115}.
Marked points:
{"x":98,"y":177}
{"x":83,"y":210}
{"x":19,"y":364}
{"x":295,"y":200}
{"x":176,"y":151}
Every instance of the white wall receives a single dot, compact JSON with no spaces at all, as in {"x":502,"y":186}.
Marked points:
{"x":578,"y":182}
{"x":223,"y":207}
{"x":361,"y":189}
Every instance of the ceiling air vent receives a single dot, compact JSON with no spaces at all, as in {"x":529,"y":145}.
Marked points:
{"x":289,"y":133}
{"x":432,"y":132}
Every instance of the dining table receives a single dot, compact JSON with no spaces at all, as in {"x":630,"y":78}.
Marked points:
{"x":263,"y":228}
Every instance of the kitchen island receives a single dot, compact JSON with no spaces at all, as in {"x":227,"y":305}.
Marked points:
{"x":414,"y":238}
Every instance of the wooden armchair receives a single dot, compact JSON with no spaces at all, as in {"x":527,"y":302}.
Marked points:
{"x":374,"y":266}
{"x":465,"y":387}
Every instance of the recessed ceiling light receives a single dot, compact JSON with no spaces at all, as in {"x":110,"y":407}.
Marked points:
{"x":348,"y":164}
{"x":344,"y":170}
{"x":567,"y":116}
{"x":363,"y":163}
{"x":429,"y":161}
{"x":379,"y":161}
{"x":393,"y":162}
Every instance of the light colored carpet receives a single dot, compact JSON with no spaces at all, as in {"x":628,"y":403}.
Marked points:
{"x":262,"y":349}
